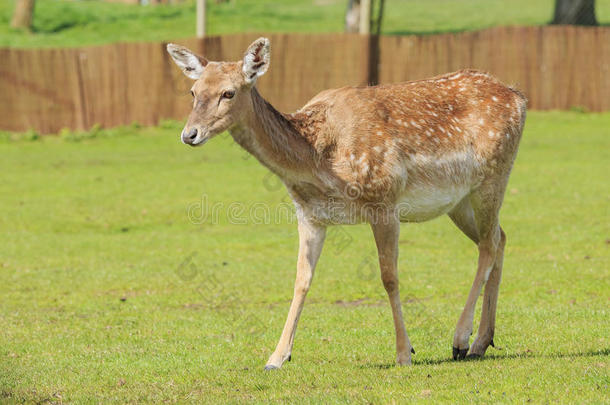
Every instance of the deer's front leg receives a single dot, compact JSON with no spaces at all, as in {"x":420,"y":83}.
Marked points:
{"x":311,"y":240}
{"x":386,"y":231}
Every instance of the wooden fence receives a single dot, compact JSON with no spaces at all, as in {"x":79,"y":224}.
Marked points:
{"x":48,"y":89}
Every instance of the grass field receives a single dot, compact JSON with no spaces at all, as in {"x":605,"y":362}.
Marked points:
{"x":116,"y":286}
{"x":75,"y":23}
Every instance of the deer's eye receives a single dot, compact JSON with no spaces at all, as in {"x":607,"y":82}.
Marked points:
{"x":228,"y":94}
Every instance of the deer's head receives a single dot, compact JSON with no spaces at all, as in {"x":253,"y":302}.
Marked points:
{"x":221,"y":92}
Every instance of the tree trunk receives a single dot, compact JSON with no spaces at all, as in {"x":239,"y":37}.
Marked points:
{"x":575,"y":12}
{"x":22,"y":17}
{"x":376,"y":21}
{"x":352,"y":16}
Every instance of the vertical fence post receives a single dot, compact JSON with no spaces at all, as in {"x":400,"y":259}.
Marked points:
{"x":365,"y":17}
{"x":200,"y":18}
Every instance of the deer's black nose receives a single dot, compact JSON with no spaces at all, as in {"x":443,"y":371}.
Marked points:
{"x":189,"y":136}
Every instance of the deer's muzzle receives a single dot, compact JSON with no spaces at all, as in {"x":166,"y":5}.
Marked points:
{"x":193,"y":136}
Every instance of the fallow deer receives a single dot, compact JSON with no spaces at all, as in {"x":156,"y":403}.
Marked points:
{"x":386,"y":154}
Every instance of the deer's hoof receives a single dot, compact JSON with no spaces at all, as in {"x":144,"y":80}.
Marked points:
{"x":269,"y":367}
{"x":474,"y":356}
{"x":459,"y":354}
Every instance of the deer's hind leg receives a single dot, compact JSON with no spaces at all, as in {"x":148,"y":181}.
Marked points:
{"x":477,"y":217}
{"x":463,"y":217}
{"x":485,"y":335}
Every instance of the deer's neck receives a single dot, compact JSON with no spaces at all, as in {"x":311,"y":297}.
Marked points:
{"x":272,"y":138}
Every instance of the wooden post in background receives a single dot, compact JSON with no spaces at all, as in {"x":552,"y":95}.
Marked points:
{"x":200,"y":18}
{"x":365,"y":17}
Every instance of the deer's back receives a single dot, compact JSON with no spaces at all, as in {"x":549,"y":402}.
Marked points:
{"x":431,"y":140}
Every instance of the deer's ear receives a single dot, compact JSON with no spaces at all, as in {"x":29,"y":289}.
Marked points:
{"x":192,"y":65}
{"x":256,"y":60}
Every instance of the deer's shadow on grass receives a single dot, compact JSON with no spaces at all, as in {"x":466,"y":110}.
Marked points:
{"x":491,"y":357}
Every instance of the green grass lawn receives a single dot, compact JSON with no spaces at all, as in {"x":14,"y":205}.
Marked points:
{"x":75,"y":23}
{"x":111,"y":292}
